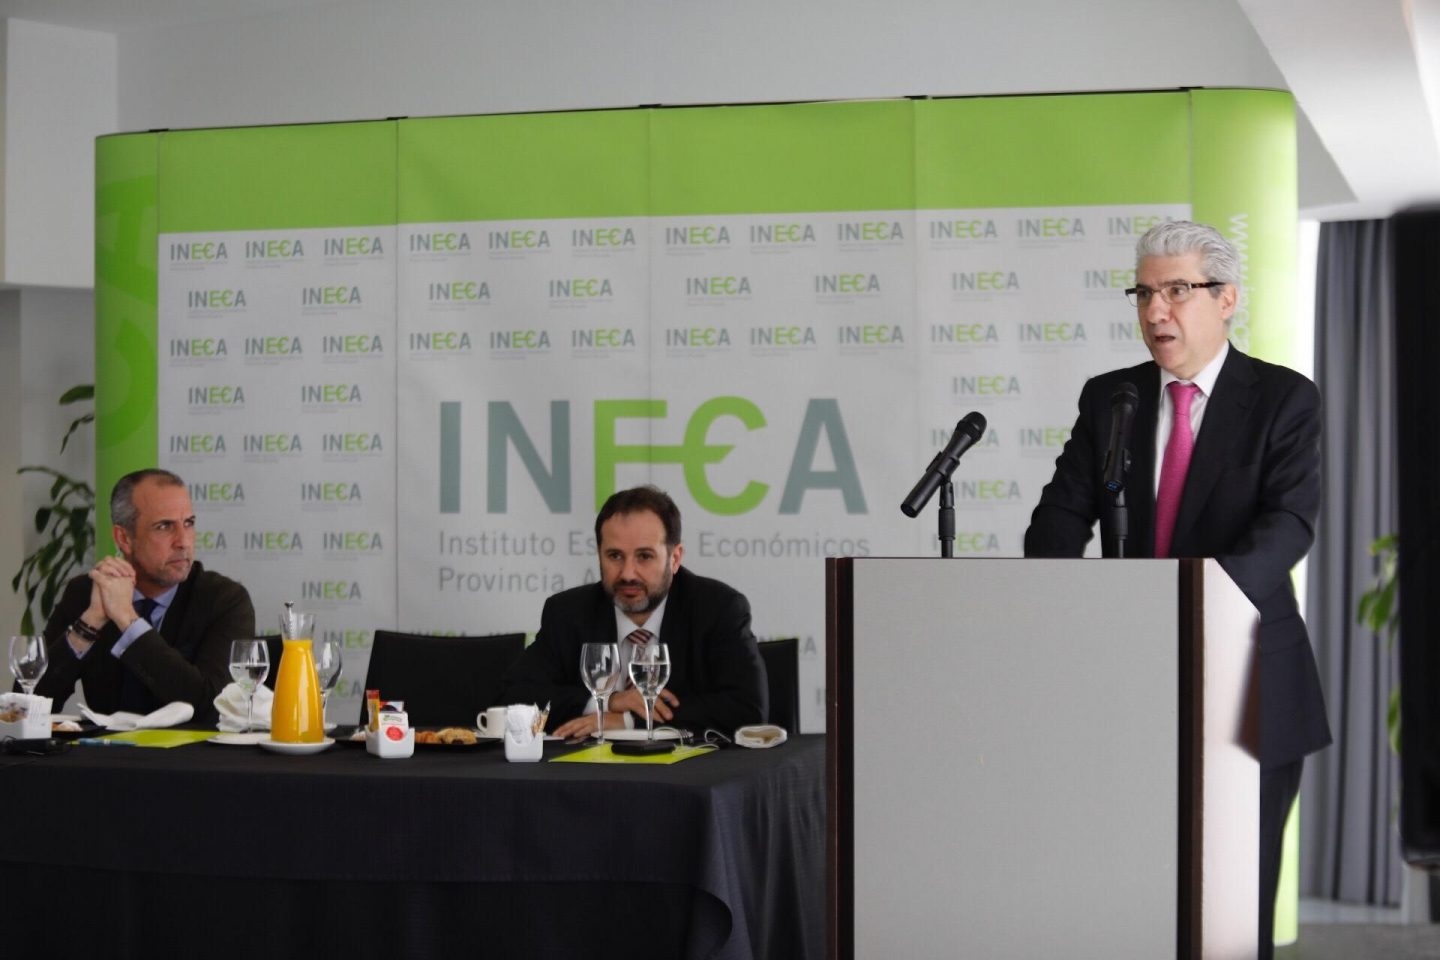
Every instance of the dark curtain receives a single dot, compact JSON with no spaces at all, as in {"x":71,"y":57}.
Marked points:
{"x":1350,"y":797}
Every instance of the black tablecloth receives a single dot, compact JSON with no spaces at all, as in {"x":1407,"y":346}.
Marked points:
{"x":212,"y":851}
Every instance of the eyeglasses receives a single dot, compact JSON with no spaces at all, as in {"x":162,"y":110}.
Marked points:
{"x":1176,"y":291}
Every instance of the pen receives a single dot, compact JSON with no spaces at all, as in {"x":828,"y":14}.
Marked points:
{"x":93,"y":742}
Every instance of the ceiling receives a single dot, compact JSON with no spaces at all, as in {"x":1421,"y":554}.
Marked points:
{"x":1365,"y":74}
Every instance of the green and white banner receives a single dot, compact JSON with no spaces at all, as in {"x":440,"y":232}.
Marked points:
{"x":400,"y":364}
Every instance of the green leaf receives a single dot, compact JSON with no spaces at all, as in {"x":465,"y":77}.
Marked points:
{"x":75,"y":424}
{"x":83,"y":391}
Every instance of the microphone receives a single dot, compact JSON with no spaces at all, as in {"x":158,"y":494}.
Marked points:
{"x":967,"y":433}
{"x":1123,"y":403}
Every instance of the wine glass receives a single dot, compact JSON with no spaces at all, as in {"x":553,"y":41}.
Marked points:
{"x":600,"y":669}
{"x":28,"y":660}
{"x":328,"y":667}
{"x":650,"y":671}
{"x":249,"y":666}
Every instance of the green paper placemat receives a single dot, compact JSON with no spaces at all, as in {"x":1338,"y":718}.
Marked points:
{"x":161,"y":738}
{"x":601,"y":753}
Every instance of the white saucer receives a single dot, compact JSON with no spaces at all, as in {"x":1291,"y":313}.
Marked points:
{"x":239,"y":739}
{"x":296,"y":749}
{"x":661,"y":733}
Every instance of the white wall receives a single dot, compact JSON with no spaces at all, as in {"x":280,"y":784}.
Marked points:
{"x":11,"y":514}
{"x":59,"y":95}
{"x":374,"y":58}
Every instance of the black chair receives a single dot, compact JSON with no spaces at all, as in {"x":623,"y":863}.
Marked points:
{"x":444,"y":681}
{"x":274,"y":646}
{"x":782,"y":668}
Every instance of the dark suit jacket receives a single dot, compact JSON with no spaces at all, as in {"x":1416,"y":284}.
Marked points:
{"x":1250,"y":501}
{"x":715,"y":666}
{"x":187,"y":659}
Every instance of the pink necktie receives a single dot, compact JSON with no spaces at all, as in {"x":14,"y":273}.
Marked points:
{"x":1177,"y":462}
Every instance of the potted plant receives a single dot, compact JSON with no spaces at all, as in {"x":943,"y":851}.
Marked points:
{"x":1379,"y":611}
{"x":66,"y":524}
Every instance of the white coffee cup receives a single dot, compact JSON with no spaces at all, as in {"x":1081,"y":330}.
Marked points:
{"x":492,"y":722}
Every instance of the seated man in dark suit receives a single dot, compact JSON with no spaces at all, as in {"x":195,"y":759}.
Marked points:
{"x":644,"y":597}
{"x":151,"y":625}
{"x":1227,"y":465}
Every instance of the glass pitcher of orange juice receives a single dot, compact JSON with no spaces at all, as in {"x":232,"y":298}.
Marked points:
{"x":296,"y":716}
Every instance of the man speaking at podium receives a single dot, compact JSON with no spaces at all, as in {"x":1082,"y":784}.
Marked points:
{"x":1224,"y":458}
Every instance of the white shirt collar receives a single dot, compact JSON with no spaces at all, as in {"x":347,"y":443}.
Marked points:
{"x":624,"y":626}
{"x":1205,"y":379}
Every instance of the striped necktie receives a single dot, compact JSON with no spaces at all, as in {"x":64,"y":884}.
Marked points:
{"x":638,"y":639}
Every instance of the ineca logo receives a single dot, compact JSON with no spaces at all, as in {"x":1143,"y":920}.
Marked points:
{"x":440,"y":341}
{"x":963,"y":230}
{"x":440,"y":241}
{"x":458,"y":291}
{"x":272,"y":444}
{"x":965,"y":333}
{"x":522,"y":239}
{"x":274,"y":249}
{"x":273,"y":347}
{"x":354,"y":247}
{"x":203,"y":251}
{"x":602,"y":237}
{"x":274,"y":541}
{"x":199,"y":348}
{"x":222,"y":299}
{"x":821,"y":423}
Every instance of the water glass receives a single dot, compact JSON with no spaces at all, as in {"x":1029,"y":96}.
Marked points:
{"x":650,"y":671}
{"x":28,"y":660}
{"x":249,"y":666}
{"x":600,"y":669}
{"x":328,"y":667}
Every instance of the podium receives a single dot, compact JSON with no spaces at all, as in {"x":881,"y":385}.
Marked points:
{"x":1040,"y":758}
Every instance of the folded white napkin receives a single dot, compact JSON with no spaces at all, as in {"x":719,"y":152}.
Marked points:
{"x":233,"y":703}
{"x":167,"y":716}
{"x":759,"y":736}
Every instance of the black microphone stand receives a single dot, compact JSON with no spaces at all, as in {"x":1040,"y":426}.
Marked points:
{"x":1119,"y":512}
{"x":947,"y":520}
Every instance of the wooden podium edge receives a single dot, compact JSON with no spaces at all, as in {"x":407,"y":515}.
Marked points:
{"x":1190,"y":844}
{"x":840,"y":760}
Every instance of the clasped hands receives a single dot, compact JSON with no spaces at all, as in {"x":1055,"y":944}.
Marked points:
{"x":626,"y":701}
{"x":112,"y":591}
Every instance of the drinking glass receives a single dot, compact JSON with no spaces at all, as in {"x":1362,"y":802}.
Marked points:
{"x":28,"y":660}
{"x":600,"y":669}
{"x":328,"y":667}
{"x":650,"y":671}
{"x":249,"y":666}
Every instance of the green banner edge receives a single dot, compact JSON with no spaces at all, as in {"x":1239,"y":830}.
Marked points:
{"x":126,"y":315}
